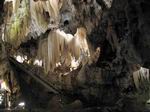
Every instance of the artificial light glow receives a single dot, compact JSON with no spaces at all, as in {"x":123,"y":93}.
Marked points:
{"x":20,"y":59}
{"x":21,"y":104}
{"x":58,"y":64}
{"x":38,"y":62}
{"x":1,"y":100}
{"x":74,"y":64}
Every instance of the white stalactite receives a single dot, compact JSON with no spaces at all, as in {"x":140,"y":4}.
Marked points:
{"x":62,"y":47}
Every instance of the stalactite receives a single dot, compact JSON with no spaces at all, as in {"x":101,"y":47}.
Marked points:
{"x":17,"y":26}
{"x":39,"y":12}
{"x":38,"y":23}
{"x":62,"y":47}
{"x":29,"y":16}
{"x":15,"y":5}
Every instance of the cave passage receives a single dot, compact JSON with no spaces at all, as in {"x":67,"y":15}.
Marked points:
{"x":74,"y":55}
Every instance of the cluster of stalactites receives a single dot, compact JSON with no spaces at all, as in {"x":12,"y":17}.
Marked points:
{"x":43,"y":13}
{"x":17,"y":24}
{"x":25,"y":16}
{"x":62,"y":48}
